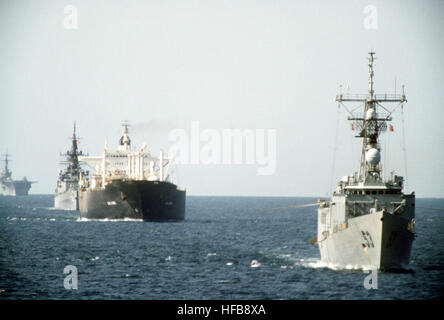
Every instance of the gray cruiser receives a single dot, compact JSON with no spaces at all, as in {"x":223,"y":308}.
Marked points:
{"x":368,"y":221}
{"x":66,"y":194}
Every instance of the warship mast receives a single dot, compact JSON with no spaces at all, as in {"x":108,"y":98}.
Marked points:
{"x":370,"y":124}
{"x":72,"y":155}
{"x":6,"y":173}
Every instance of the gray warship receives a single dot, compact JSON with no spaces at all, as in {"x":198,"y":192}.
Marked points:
{"x":12,"y":187}
{"x":368,"y":221}
{"x":66,"y":193}
{"x":130,"y":183}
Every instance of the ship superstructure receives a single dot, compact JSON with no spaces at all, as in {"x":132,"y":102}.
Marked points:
{"x":11,"y":187}
{"x":66,"y":193}
{"x":129,"y":183}
{"x":368,"y":221}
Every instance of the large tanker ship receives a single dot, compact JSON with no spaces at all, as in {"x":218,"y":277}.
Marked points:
{"x":130,"y":184}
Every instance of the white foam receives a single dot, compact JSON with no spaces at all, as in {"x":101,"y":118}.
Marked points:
{"x":255,"y":264}
{"x":316,"y":264}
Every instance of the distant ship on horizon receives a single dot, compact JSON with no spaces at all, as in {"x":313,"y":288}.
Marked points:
{"x":66,"y":195}
{"x":11,"y":187}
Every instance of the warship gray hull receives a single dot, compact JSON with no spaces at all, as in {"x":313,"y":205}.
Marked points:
{"x":147,"y":200}
{"x":381,"y":239}
{"x":16,"y":188}
{"x":67,"y":200}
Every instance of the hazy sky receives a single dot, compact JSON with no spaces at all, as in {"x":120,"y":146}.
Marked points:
{"x":247,"y":64}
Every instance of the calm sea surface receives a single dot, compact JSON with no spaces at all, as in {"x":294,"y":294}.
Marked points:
{"x":228,"y":248}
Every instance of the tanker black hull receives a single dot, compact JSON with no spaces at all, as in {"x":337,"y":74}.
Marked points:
{"x":147,"y":200}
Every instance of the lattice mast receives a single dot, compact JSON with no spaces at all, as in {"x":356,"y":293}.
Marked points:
{"x":371,"y":124}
